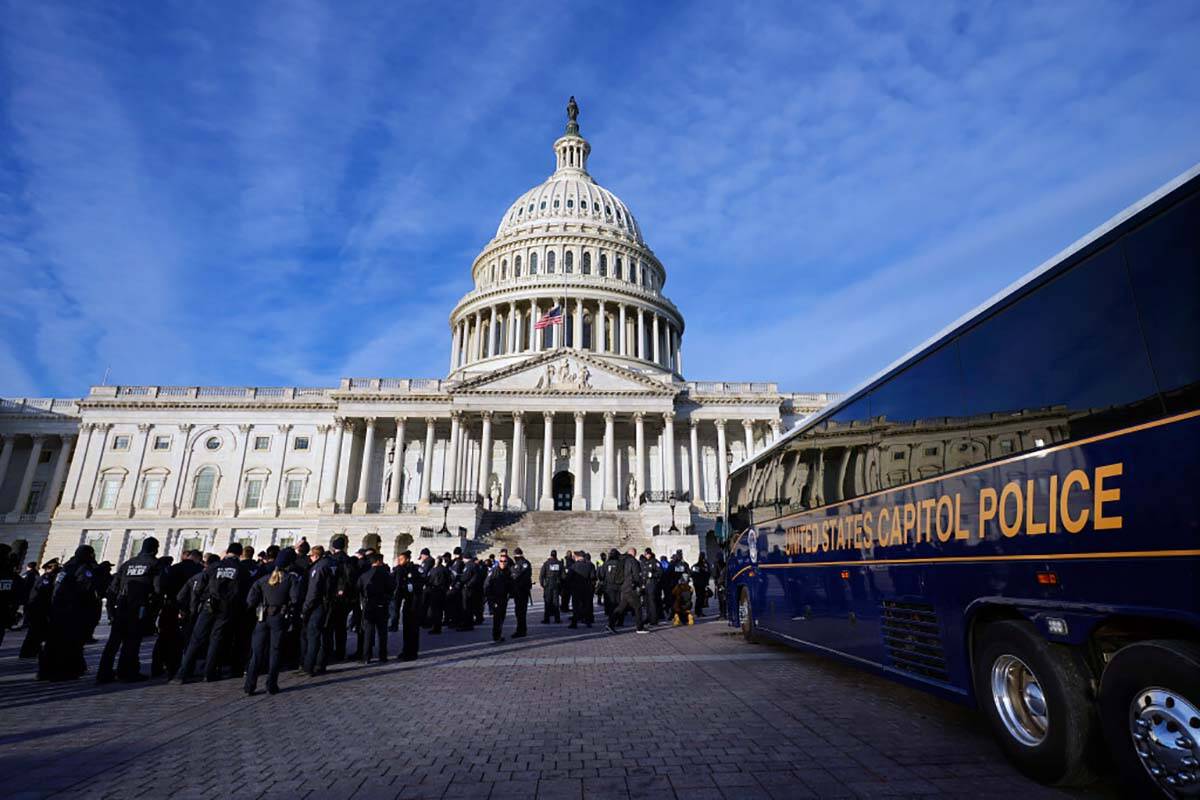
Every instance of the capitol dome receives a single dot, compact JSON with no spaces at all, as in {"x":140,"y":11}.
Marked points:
{"x":571,"y":247}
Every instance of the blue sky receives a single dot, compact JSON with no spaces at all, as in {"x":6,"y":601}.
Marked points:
{"x":284,"y":194}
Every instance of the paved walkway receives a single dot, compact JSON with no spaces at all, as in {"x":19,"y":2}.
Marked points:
{"x":693,"y":713}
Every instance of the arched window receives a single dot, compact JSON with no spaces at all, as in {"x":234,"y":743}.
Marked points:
{"x":504,"y":269}
{"x":206,"y":481}
{"x":570,"y":203}
{"x":569,"y":262}
{"x":619,"y":273}
{"x":550,"y":262}
{"x":542,"y":206}
{"x":556,"y":203}
{"x":493,"y":274}
{"x":517,"y":267}
{"x":603,"y":265}
{"x":533,"y":263}
{"x":587,"y":263}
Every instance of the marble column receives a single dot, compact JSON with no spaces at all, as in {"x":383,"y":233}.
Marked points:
{"x":75,"y":473}
{"x":329,"y":488}
{"x":610,"y":473}
{"x":6,"y":450}
{"x":395,"y":490}
{"x":776,"y":430}
{"x":364,"y":471}
{"x":669,"y":452}
{"x":427,"y":466}
{"x":60,"y":474}
{"x":641,"y":338}
{"x":144,"y":430}
{"x":578,"y":502}
{"x":620,"y":338}
{"x":535,"y":337}
{"x":577,"y":335}
{"x":722,"y":464}
{"x":451,"y":482}
{"x":284,"y":433}
{"x":639,"y":427}
{"x":516,"y":493}
{"x":105,"y":429}
{"x":513,"y":336}
{"x":601,"y":326}
{"x":454,"y":349}
{"x":546,"y":503}
{"x":656,"y":352}
{"x":176,"y":495}
{"x":694,"y":457}
{"x":39,"y":441}
{"x":748,"y":428}
{"x":485,"y":455}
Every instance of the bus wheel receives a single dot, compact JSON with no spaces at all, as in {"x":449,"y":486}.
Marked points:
{"x":746,"y":615}
{"x":1150,"y":709}
{"x":1034,"y":694}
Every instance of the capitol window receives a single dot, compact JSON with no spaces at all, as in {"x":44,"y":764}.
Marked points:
{"x":212,"y":443}
{"x":295,"y":489}
{"x":300,"y":443}
{"x":556,"y":204}
{"x":504,"y":269}
{"x":262,"y":443}
{"x":587,"y":263}
{"x":570,"y":203}
{"x":120,"y":443}
{"x":151,"y":490}
{"x":550,"y":263}
{"x":531,"y":208}
{"x":202,"y":494}
{"x":109,"y":491}
{"x":543,"y":206}
{"x":162,"y":442}
{"x":517,"y":267}
{"x":603,"y":265}
{"x":569,"y":262}
{"x":254,"y":488}
{"x":532,"y":264}
{"x":619,"y":272}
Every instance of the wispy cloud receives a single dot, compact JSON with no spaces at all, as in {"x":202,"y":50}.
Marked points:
{"x":293,"y":192}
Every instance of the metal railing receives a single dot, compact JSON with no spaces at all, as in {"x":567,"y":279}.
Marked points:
{"x":436,"y":498}
{"x":665,"y":497}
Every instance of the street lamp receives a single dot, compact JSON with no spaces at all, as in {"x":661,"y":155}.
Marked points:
{"x":445,"y":514}
{"x":671,"y":501}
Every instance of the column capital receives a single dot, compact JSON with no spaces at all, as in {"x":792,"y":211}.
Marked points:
{"x":639,"y":416}
{"x":456,"y":414}
{"x":144,"y":427}
{"x":369,"y":420}
{"x":518,"y":417}
{"x":104,"y":426}
{"x":283,"y":428}
{"x":609,"y":416}
{"x":486,"y":415}
{"x":431,"y":420}
{"x":323,"y":428}
{"x":748,"y":424}
{"x":68,"y":438}
{"x":548,"y":416}
{"x":580,"y":416}
{"x":346,"y":423}
{"x":693,"y":423}
{"x":185,"y":428}
{"x":719,"y":423}
{"x":244,"y":428}
{"x":401,"y":420}
{"x":668,"y":417}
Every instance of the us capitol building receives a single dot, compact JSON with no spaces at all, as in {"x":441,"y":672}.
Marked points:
{"x":581,"y":434}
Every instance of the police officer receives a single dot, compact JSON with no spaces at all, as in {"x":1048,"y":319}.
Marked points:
{"x":625,"y":576}
{"x":549,"y":579}
{"x":37,"y":610}
{"x":583,"y":576}
{"x":273,"y":599}
{"x":567,"y":575}
{"x":700,"y":577}
{"x":222,"y":602}
{"x":316,"y":611}
{"x":478,"y":598}
{"x":651,"y":575}
{"x":467,"y":580}
{"x":168,"y":646}
{"x":376,"y":590}
{"x":522,"y":572}
{"x":601,"y":585}
{"x":435,"y":592}
{"x":410,"y":587}
{"x":676,"y":571}
{"x":720,"y":574}
{"x":74,"y":598}
{"x":345,"y":595}
{"x":454,"y":592}
{"x":295,"y":640}
{"x":498,"y":587}
{"x":8,"y":590}
{"x":134,"y":595}
{"x":425,"y":564}
{"x":188,"y":599}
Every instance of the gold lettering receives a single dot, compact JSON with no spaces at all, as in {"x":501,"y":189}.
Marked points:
{"x":1032,"y":528}
{"x":1053,"y":504}
{"x":987,"y":508}
{"x":959,"y":531}
{"x":1075,"y":477}
{"x":925,"y":531}
{"x":867,"y":532}
{"x":883,"y":524}
{"x":944,"y":533}
{"x":910,"y":521}
{"x":897,"y":536}
{"x":1099,"y":521}
{"x":1011,"y":489}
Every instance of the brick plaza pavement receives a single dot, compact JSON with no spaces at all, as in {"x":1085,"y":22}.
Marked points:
{"x":691,"y":713}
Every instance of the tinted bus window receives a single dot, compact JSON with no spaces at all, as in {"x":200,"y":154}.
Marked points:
{"x":828,"y":463}
{"x":1072,"y":347}
{"x":1164,"y":265}
{"x":913,"y":413}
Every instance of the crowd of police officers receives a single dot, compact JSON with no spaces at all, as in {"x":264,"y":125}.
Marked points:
{"x":252,"y":615}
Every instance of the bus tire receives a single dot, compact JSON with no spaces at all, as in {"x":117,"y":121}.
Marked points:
{"x":746,"y":615}
{"x":1035,"y":697}
{"x":1150,"y":710}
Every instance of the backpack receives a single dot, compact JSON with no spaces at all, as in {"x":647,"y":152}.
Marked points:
{"x":615,"y":574}
{"x":345,"y":583}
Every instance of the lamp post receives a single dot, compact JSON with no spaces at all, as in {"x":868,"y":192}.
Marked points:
{"x":671,"y":501}
{"x":445,"y":515}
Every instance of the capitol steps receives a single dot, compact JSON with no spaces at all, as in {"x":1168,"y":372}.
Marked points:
{"x":539,"y":532}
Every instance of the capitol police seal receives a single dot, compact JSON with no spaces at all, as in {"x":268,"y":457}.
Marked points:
{"x":752,"y":544}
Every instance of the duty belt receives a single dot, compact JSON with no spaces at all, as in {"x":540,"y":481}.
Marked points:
{"x":273,"y":611}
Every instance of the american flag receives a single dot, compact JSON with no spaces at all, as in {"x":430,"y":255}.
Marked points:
{"x":552,"y":317}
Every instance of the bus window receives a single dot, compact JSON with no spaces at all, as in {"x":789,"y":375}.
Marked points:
{"x":913,"y":412}
{"x":828,"y":463}
{"x":1072,"y":348}
{"x":1164,"y":265}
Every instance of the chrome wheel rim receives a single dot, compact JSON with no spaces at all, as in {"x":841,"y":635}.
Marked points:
{"x":1019,"y":700}
{"x":1165,"y":728}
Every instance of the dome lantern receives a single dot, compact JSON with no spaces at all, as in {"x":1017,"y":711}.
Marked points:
{"x":572,"y":149}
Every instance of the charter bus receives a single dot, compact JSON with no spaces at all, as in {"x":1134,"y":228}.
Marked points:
{"x":1009,"y":516}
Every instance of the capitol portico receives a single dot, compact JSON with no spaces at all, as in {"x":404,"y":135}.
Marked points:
{"x":592,"y":414}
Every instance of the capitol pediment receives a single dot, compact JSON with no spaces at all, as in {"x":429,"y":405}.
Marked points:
{"x":564,"y":372}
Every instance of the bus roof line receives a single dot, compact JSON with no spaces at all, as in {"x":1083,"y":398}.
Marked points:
{"x":1071,"y":249}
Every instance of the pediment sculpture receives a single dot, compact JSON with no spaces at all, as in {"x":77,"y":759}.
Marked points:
{"x":564,"y":377}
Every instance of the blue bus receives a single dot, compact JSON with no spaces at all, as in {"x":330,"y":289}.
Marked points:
{"x":1009,"y":516}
